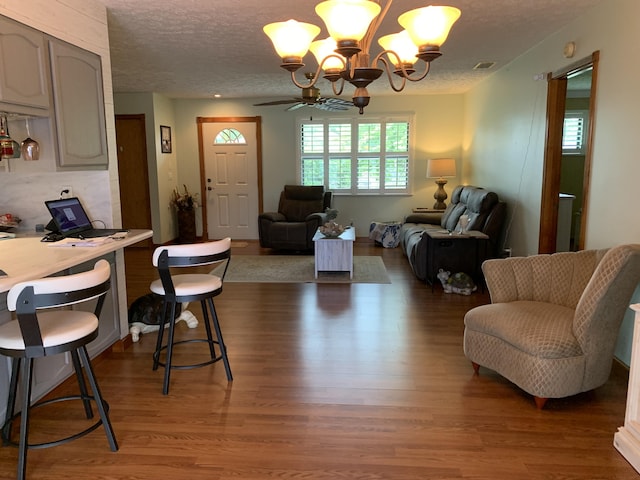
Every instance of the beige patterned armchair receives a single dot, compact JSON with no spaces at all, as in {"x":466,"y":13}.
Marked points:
{"x":554,"y":319}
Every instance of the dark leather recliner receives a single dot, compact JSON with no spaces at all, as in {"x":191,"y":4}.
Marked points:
{"x":301,"y":210}
{"x":486,"y":214}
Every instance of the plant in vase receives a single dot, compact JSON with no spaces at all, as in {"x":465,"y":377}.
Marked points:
{"x":185,"y":203}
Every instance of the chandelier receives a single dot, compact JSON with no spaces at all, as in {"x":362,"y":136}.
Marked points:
{"x":344,"y":55}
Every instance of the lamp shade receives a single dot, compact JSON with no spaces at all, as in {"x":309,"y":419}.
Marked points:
{"x":401,"y":44}
{"x":441,"y":167}
{"x":291,"y":39}
{"x":429,"y":25}
{"x":322,"y":49}
{"x":347,"y":19}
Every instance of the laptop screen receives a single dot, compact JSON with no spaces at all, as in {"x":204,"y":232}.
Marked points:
{"x":68,"y":215}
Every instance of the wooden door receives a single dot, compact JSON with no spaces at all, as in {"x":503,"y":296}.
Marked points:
{"x":133,"y":173}
{"x":229,"y":155}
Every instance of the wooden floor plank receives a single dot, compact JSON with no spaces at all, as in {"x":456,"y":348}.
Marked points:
{"x":359,"y":381}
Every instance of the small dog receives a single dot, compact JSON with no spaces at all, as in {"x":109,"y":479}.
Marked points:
{"x":145,"y":315}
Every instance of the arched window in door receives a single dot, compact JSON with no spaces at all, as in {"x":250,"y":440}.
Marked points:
{"x":230,"y":135}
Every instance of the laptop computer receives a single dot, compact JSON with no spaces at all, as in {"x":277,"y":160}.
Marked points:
{"x":71,"y":220}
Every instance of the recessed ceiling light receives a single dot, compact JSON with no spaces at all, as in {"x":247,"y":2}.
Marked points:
{"x":484,"y":65}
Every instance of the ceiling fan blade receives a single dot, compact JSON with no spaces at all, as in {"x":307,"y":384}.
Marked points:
{"x":338,"y":102}
{"x":277,"y":102}
{"x":333,"y":104}
{"x":296,"y":106}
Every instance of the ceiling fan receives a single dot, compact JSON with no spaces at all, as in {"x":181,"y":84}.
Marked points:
{"x":311,"y":98}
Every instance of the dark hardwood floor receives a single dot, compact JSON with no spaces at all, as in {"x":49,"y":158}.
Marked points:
{"x":331,"y":381}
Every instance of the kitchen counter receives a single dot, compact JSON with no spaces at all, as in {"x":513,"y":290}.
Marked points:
{"x":27,"y":258}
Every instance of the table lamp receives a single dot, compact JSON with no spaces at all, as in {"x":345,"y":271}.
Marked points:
{"x":440,"y":168}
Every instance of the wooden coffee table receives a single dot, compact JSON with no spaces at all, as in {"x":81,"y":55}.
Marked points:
{"x":334,"y":254}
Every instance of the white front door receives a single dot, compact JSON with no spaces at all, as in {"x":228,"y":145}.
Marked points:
{"x":231,"y":179}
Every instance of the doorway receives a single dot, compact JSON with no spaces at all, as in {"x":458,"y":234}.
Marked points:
{"x":567,"y":173}
{"x":230,"y":151}
{"x":133,"y":173}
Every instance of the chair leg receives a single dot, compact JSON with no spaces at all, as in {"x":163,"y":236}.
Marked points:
{"x":540,"y":401}
{"x":84,"y":393}
{"x":23,"y":446}
{"x":223,"y":348}
{"x":97,"y":395}
{"x":207,"y":326}
{"x":167,"y":362}
{"x":476,"y":368}
{"x":156,"y":355}
{"x":11,"y":401}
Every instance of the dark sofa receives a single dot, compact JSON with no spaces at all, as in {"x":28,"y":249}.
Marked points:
{"x":486,"y":214}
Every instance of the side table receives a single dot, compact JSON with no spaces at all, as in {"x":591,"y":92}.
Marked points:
{"x":455,"y":252}
{"x":334,"y":254}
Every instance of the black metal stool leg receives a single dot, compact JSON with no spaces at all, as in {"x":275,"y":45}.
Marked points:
{"x":24,"y":420}
{"x":167,"y":363}
{"x":207,"y":326}
{"x":223,"y":348}
{"x":163,"y":320}
{"x":97,"y":395}
{"x":11,"y":400}
{"x":84,"y":393}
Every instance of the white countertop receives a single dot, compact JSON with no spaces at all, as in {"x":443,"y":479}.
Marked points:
{"x":26,"y":258}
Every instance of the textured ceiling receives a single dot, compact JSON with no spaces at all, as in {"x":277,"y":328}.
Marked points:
{"x":195,"y":48}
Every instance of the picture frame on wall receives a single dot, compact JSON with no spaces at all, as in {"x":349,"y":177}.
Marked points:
{"x":165,"y":139}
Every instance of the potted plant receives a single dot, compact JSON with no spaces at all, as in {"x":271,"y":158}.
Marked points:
{"x":185,"y":204}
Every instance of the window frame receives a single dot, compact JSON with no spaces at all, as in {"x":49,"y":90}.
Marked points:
{"x":354,"y":155}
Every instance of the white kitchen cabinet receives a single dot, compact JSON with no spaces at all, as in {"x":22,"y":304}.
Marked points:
{"x":24,"y":76}
{"x":79,"y":107}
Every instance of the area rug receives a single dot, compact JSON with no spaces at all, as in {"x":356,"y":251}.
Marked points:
{"x":300,"y":269}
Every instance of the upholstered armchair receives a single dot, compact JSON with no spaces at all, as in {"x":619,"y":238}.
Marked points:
{"x":553,"y":321}
{"x":301,"y":210}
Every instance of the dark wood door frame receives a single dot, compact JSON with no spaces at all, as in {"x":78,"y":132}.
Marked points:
{"x":203,"y":186}
{"x":556,"y":102}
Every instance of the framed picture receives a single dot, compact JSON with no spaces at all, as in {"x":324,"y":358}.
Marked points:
{"x":165,"y":139}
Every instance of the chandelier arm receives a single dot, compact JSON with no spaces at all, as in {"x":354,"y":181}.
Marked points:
{"x":390,"y":77}
{"x":365,"y":43}
{"x":337,"y":91}
{"x":405,"y":73}
{"x":312,"y":81}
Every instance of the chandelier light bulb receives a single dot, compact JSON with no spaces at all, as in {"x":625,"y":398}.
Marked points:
{"x":326,"y":50}
{"x":429,"y":26}
{"x":401,"y":44}
{"x":347,"y":19}
{"x":291,"y":39}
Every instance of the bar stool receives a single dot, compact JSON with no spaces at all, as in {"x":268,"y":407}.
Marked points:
{"x":191,"y":287}
{"x":38,"y":334}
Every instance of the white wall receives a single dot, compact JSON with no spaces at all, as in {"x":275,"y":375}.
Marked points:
{"x":505,"y":125}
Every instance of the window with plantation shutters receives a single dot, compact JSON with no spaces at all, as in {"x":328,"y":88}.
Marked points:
{"x":356,"y":156}
{"x":574,"y":132}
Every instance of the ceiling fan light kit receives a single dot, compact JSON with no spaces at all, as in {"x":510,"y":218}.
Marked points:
{"x":344,"y":56}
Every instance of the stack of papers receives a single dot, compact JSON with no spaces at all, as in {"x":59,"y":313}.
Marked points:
{"x":85,"y":242}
